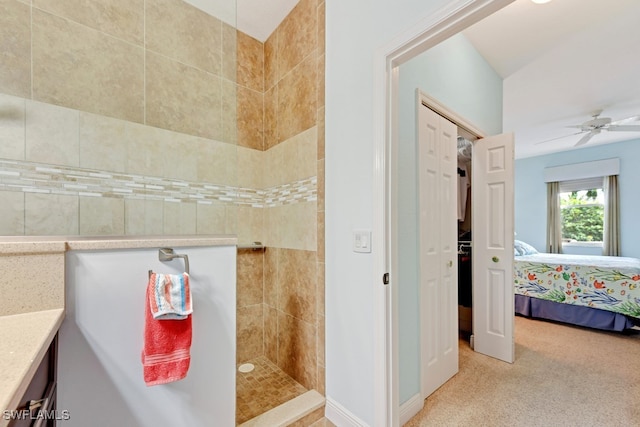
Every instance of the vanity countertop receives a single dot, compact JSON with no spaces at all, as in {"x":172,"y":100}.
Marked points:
{"x":24,"y":340}
{"x":15,"y":245}
{"x":134,"y":242}
{"x":31,"y":245}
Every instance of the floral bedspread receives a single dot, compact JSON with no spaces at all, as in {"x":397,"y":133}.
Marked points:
{"x":607,"y":283}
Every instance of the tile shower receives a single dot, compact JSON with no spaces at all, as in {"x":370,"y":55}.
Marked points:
{"x":281,"y":289}
{"x":151,"y":117}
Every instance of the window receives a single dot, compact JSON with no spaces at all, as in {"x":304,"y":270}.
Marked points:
{"x":582,"y":211}
{"x":595,"y":185}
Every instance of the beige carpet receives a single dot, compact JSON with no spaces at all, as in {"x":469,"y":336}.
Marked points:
{"x":563,"y":376}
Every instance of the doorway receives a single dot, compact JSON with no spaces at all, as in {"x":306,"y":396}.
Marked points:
{"x":447,"y":22}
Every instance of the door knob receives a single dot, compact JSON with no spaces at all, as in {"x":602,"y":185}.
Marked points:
{"x":450,"y":263}
{"x":495,"y":259}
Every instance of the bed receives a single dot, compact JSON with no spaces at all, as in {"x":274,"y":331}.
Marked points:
{"x":594,"y":291}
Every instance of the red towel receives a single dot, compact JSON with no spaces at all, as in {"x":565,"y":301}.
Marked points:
{"x":167,"y":343}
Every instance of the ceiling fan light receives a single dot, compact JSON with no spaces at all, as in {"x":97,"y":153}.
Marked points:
{"x":540,"y":1}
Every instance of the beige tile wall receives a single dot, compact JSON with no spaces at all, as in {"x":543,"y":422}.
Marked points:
{"x":163,"y":63}
{"x":183,"y":98}
{"x":123,"y":19}
{"x":143,"y":217}
{"x":51,"y":135}
{"x":12,"y":126}
{"x":291,"y":331}
{"x":179,"y":31}
{"x":127,"y":86}
{"x":15,"y":31}
{"x":51,"y":214}
{"x":134,"y":87}
{"x":250,"y":95}
{"x":101,"y":216}
{"x":12,"y":213}
{"x":250,"y":323}
{"x":79,"y":67}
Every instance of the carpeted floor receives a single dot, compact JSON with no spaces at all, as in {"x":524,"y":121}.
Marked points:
{"x":563,"y":376}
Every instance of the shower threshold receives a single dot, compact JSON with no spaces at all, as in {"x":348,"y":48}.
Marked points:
{"x":304,"y":410}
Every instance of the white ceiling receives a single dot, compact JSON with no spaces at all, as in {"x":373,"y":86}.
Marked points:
{"x":561,"y":62}
{"x":257,"y":18}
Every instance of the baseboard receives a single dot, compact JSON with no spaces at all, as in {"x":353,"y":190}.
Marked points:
{"x":340,"y":416}
{"x":410,"y":408}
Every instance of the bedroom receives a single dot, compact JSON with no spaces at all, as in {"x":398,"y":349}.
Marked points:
{"x":576,"y":85}
{"x":480,"y":98}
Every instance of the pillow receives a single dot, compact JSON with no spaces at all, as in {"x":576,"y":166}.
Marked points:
{"x":522,"y":248}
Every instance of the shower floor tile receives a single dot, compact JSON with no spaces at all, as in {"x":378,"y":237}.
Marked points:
{"x":262,"y":389}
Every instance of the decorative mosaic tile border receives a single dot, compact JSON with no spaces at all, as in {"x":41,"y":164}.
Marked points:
{"x":31,"y":177}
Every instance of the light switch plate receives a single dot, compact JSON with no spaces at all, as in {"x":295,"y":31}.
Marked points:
{"x":362,"y":241}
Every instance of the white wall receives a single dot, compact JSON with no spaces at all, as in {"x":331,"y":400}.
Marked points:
{"x":354,"y":30}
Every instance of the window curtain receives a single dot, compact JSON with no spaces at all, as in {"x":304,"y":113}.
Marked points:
{"x":554,"y":221}
{"x":611,"y":244}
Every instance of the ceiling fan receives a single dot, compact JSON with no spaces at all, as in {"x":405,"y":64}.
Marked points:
{"x":597,"y":124}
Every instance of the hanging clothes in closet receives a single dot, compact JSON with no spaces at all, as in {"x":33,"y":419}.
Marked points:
{"x":464,"y":180}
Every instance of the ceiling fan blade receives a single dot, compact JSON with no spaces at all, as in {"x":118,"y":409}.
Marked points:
{"x":626,"y":128}
{"x":585,"y":138}
{"x":559,"y":137}
{"x":627,"y":120}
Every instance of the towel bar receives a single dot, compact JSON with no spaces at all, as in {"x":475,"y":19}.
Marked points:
{"x":167,"y":254}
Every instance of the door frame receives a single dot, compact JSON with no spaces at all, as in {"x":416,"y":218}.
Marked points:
{"x":450,"y":115}
{"x":427,"y":33}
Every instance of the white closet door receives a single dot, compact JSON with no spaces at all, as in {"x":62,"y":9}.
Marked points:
{"x":437,"y":187}
{"x":492,"y":227}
